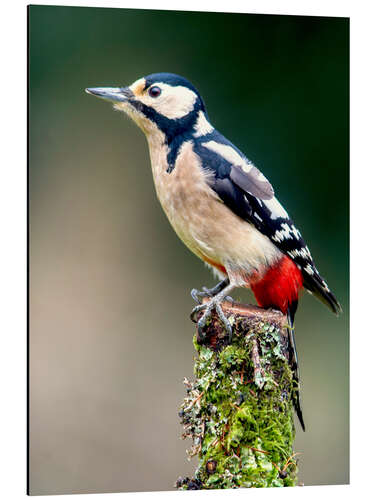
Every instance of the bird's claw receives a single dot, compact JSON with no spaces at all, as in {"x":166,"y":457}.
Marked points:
{"x":208,"y":292}
{"x":198,"y":295}
{"x":208,"y":308}
{"x":196,"y":310}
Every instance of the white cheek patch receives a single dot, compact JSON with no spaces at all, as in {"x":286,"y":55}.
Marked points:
{"x":173,"y":102}
{"x":229,"y":154}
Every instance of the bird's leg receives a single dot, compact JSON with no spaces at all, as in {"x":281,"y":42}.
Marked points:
{"x":208,"y":292}
{"x":214,"y":303}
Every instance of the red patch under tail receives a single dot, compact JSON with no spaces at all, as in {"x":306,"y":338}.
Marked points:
{"x":280,"y":285}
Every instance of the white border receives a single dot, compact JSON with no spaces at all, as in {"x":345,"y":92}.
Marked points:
{"x":13,"y":242}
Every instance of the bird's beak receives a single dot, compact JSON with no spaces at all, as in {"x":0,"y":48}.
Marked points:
{"x":114,"y":94}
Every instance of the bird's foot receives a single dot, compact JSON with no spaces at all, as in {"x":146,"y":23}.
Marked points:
{"x":198,"y":295}
{"x":208,"y":293}
{"x":216,"y":295}
{"x":208,"y":307}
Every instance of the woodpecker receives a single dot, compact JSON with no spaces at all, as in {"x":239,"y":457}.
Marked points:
{"x":220,"y":205}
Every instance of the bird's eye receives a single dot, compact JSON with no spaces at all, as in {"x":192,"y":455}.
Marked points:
{"x":154,"y":91}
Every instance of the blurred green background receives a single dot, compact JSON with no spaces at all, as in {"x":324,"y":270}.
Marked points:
{"x":110,"y":335}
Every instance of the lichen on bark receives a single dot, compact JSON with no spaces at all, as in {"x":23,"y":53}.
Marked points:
{"x":238,"y":411}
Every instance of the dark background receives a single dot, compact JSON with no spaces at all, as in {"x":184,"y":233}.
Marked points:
{"x":110,"y":338}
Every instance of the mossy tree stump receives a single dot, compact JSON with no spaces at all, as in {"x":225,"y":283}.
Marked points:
{"x":239,"y":410}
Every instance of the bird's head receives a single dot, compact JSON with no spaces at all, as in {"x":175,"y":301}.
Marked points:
{"x":159,"y":102}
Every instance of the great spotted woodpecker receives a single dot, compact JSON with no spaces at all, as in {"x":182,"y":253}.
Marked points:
{"x":219,"y":203}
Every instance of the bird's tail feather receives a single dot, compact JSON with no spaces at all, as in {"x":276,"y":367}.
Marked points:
{"x":317,"y":286}
{"x":293,"y":360}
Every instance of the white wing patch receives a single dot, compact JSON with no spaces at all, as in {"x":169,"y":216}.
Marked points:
{"x":310,"y":270}
{"x":229,"y":154}
{"x":276,"y":209}
{"x":303,"y":252}
{"x":202,"y":125}
{"x":287,"y":232}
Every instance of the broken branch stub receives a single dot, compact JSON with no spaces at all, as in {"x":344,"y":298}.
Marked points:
{"x":239,"y":412}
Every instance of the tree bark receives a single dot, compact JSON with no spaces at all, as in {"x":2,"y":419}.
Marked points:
{"x":239,"y":410}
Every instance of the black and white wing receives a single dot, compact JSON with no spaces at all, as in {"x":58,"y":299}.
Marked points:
{"x":245,"y":190}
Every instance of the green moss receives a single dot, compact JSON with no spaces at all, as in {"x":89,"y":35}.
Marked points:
{"x":240,"y":419}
